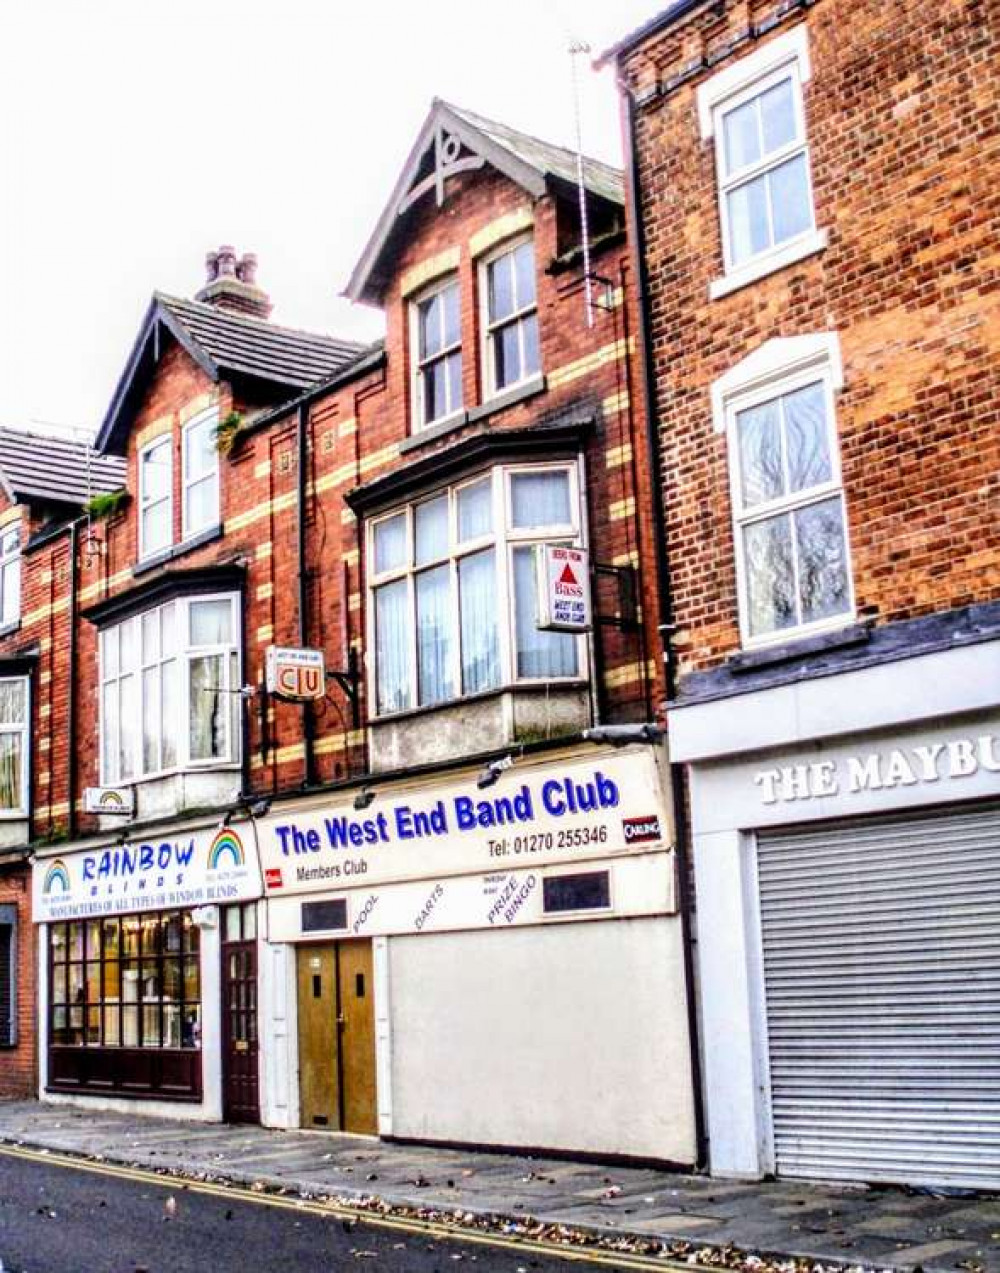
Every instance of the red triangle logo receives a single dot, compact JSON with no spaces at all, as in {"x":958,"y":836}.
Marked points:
{"x":567,"y":575}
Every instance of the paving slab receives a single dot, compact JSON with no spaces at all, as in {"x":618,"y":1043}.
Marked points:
{"x":880,"y":1227}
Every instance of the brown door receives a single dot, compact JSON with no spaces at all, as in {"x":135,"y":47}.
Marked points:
{"x":241,"y":1093}
{"x":357,"y":1036}
{"x":319,"y":1082}
{"x":337,"y":1037}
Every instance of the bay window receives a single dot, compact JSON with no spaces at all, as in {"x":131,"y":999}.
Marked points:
{"x":156,"y":503}
{"x":200,"y":478}
{"x":453,"y":588}
{"x":510,"y":317}
{"x":170,"y":681}
{"x":14,"y":746}
{"x":436,"y":339}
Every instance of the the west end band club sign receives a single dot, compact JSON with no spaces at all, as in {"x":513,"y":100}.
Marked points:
{"x":177,"y":870}
{"x":563,"y":813}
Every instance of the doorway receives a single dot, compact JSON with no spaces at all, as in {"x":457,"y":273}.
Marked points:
{"x":240,"y":1084}
{"x":336,"y":1019}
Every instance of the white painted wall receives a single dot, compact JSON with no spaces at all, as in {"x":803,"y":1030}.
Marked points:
{"x":278,"y":1036}
{"x":569,"y":1037}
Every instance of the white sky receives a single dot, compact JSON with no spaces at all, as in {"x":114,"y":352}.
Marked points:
{"x":134,"y":137}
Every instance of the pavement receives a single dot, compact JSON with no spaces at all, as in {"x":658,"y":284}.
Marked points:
{"x":885,"y":1228}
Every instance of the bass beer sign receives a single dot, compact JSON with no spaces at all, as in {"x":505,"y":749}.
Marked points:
{"x":563,"y":589}
{"x":295,"y":674}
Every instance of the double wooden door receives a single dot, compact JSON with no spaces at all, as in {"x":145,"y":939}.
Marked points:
{"x":337,"y":1037}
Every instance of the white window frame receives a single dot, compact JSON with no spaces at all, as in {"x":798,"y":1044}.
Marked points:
{"x":208,"y":418}
{"x":184,"y":653}
{"x":10,"y":566}
{"x":779,"y":367}
{"x":487,"y":328}
{"x":24,"y":731}
{"x":503,"y":538}
{"x":786,"y":55}
{"x":165,"y":440}
{"x":417,"y":365}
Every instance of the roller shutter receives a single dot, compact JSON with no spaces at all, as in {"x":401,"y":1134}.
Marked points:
{"x":881,"y":948}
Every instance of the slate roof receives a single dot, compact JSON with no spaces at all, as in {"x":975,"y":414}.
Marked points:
{"x":530,"y":163}
{"x":549,"y":160}
{"x":34,"y":467}
{"x":222,"y":344}
{"x":257,"y":347}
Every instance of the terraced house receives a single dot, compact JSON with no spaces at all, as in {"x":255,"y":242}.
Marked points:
{"x":813,"y":195}
{"x":404,"y":894}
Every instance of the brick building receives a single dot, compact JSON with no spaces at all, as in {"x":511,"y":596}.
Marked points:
{"x":42,"y":480}
{"x":815,"y":197}
{"x":457,"y":883}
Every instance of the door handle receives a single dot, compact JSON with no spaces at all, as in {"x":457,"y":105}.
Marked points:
{"x":341,"y":1020}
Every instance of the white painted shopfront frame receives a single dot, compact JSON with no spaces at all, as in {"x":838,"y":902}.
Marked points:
{"x":942,"y":695}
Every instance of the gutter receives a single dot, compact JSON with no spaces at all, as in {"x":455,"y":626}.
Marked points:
{"x":666,"y":624}
{"x":308,"y":719}
{"x":71,"y":765}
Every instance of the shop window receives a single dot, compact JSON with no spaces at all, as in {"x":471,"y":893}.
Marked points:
{"x":755,"y":112}
{"x":790,"y":524}
{"x":453,"y":597}
{"x":436,"y":342}
{"x":510,"y":326}
{"x":156,"y":501}
{"x":14,"y":705}
{"x":200,"y":477}
{"x":130,"y":982}
{"x":10,"y":576}
{"x":170,"y":682}
{"x":8,"y":976}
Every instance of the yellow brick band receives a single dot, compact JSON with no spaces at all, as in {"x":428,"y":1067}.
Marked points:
{"x":504,"y":227}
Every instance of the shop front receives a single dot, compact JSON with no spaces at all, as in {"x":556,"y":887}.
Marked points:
{"x":483,"y":958}
{"x":847,"y":862}
{"x":148,"y":972}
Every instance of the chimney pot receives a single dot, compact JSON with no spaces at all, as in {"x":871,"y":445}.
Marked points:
{"x":246,"y":270}
{"x":232,"y":283}
{"x":211,"y":266}
{"x":227,"y":261}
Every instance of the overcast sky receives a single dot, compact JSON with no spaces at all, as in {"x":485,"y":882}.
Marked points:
{"x":134,"y":137}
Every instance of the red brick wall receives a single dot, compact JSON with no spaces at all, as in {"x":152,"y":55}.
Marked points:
{"x":903,"y":123}
{"x":18,"y":1065}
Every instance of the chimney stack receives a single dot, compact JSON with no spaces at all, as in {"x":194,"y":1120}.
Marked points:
{"x":231,"y":284}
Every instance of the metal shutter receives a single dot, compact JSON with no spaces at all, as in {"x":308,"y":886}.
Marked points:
{"x":881,"y":946}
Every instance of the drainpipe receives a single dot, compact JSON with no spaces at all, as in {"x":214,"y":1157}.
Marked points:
{"x":308,"y":720}
{"x":665,"y":616}
{"x":71,"y":647}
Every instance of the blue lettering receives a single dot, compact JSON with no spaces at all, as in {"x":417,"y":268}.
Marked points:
{"x":88,"y":868}
{"x":465,"y":813}
{"x":184,"y":856}
{"x":552,"y":798}
{"x":145,"y":857}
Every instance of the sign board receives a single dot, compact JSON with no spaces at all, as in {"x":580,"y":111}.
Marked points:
{"x":563,"y":589}
{"x":295,"y":674}
{"x":196,"y":868}
{"x":639,"y":885}
{"x":112,"y":800}
{"x":570,"y":811}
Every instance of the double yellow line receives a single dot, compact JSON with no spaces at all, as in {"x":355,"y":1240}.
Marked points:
{"x":344,"y":1211}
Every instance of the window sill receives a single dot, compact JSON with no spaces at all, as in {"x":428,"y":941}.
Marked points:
{"x":9,"y":629}
{"x":179,"y":550}
{"x":13,"y":815}
{"x":801,"y":647}
{"x":811,"y":243}
{"x":508,"y":398}
{"x":431,"y":432}
{"x":466,"y":700}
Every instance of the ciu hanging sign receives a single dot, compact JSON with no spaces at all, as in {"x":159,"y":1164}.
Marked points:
{"x":295,"y":674}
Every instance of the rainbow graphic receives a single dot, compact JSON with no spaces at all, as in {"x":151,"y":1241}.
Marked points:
{"x":226,"y":842}
{"x":56,"y":875}
{"x":111,"y":801}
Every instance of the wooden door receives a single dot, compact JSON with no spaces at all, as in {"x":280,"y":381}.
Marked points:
{"x":240,"y":1087}
{"x":357,"y":1037}
{"x":319,"y":1078}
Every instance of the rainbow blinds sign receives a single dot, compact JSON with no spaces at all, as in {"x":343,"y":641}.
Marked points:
{"x":195,"y":868}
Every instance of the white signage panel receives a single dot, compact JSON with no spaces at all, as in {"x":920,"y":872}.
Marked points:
{"x":295,"y":674}
{"x":563,"y":589}
{"x":197,"y":868}
{"x":109,"y":800}
{"x":638,"y":885}
{"x":569,"y":811}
